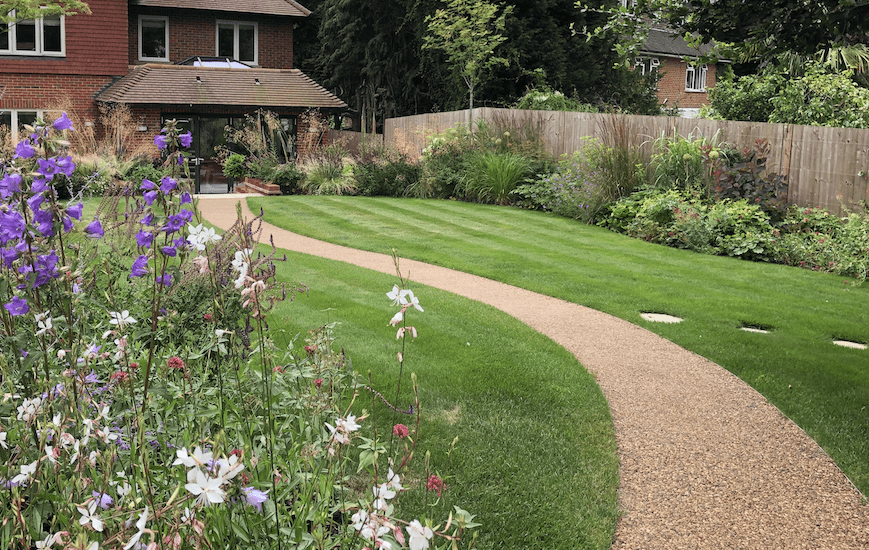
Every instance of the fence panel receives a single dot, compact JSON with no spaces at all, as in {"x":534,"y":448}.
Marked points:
{"x":826,"y":167}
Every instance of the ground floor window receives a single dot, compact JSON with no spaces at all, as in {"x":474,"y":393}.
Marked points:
{"x":12,"y":122}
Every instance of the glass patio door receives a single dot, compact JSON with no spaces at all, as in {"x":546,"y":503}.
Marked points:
{"x":205,"y":169}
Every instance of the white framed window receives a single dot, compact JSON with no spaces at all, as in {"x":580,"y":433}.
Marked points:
{"x":14,"y":120}
{"x":43,"y":37}
{"x":153,"y":38}
{"x":695,"y":78}
{"x":647,"y":65}
{"x":237,"y":40}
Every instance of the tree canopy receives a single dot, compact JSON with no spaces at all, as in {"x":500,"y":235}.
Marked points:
{"x":35,"y":9}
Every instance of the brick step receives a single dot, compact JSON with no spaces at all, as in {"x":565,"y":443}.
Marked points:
{"x":257,"y":186}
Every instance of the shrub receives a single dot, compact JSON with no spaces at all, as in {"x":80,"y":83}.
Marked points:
{"x":569,"y":191}
{"x":443,"y":163}
{"x":747,"y":98}
{"x":384,"y":171}
{"x":492,"y":177}
{"x":328,"y":176}
{"x":679,"y":162}
{"x":822,"y":98}
{"x":748,"y":177}
{"x":288,"y":177}
{"x":234,"y":166}
{"x":547,"y":99}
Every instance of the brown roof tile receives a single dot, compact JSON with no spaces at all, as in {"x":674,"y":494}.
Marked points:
{"x":269,"y":7}
{"x":178,"y":85}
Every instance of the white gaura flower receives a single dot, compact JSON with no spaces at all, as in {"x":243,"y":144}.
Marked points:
{"x":28,"y":409}
{"x":412,"y":300}
{"x":397,"y":318}
{"x":393,"y":481}
{"x":207,"y":490}
{"x":140,"y":526}
{"x":43,"y":321}
{"x":121,"y":318}
{"x":348,"y":425}
{"x":397,"y":296}
{"x":89,"y":516}
{"x":27,"y":472}
{"x":229,"y":468}
{"x":419,"y":535}
{"x":200,"y":236}
{"x":198,"y":458}
{"x":381,"y":495}
{"x":3,"y":440}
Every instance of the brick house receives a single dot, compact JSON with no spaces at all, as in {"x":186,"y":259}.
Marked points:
{"x":683,"y":85}
{"x":206,"y":63}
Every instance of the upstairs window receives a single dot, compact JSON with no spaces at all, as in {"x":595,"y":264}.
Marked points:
{"x":12,"y":122}
{"x":647,"y":65}
{"x":695,"y":78}
{"x":33,"y":36}
{"x":153,"y":38}
{"x":237,"y":40}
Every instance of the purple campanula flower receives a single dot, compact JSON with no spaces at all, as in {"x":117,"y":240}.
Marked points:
{"x":46,"y":268}
{"x":150,"y":197}
{"x":75,"y":210}
{"x":67,"y":224}
{"x":9,"y":256}
{"x":17,"y":306}
{"x":35,"y":201}
{"x":47,"y":168}
{"x":140,"y":267}
{"x":254,"y":497}
{"x":186,"y":139}
{"x":169,"y":251}
{"x":165,"y":279}
{"x":95,"y":229}
{"x":161,"y":141}
{"x":173,"y":223}
{"x":105,"y":500}
{"x":144,"y":238}
{"x":39,"y":185}
{"x":148,"y":220}
{"x":63,"y":123}
{"x":11,"y":183}
{"x":11,"y":226}
{"x":44,"y":225}
{"x":24,"y":150}
{"x":186,"y":215}
{"x":167,"y":184}
{"x":148,"y":185}
{"x":186,"y":198}
{"x":92,"y":378}
{"x":65,"y":165}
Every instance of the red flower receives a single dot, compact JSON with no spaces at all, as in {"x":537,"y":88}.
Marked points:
{"x":311,"y":349}
{"x":175,"y":362}
{"x":318,"y":382}
{"x":134,"y":365}
{"x":400,"y":430}
{"x":207,"y":316}
{"x":121,"y":376}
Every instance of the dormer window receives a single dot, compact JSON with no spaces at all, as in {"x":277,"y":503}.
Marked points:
{"x":237,"y":40}
{"x":33,"y":36}
{"x":153,"y":38}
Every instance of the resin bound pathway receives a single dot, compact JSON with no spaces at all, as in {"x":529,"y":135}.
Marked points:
{"x":705,"y":461}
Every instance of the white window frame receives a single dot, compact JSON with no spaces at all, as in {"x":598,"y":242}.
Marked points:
{"x":40,"y":43}
{"x":693,"y":79}
{"x":165,"y":21}
{"x":14,"y":112}
{"x":653,"y":63}
{"x":235,"y":39}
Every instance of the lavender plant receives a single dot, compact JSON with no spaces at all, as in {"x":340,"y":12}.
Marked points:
{"x":118,"y":432}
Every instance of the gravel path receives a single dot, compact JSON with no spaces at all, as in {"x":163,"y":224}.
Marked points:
{"x":705,"y":461}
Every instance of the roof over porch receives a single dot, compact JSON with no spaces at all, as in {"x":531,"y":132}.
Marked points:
{"x":268,"y":7}
{"x":158,"y":84}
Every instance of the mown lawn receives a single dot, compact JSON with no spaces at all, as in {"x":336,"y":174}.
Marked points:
{"x":823,"y":387}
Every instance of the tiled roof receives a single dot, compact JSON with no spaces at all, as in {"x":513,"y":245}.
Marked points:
{"x":666,"y":42}
{"x":185,"y":85}
{"x":268,"y":7}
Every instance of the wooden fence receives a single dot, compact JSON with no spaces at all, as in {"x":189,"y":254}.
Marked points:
{"x":826,"y":167}
{"x":352,"y":141}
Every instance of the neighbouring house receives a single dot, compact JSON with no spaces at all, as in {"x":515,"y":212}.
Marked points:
{"x":205,"y":63}
{"x":682,"y":84}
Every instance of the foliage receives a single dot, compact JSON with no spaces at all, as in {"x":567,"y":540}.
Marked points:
{"x":288,"y":177}
{"x":234,"y":166}
{"x":570,"y":191}
{"x":34,"y":9}
{"x":467,"y":31}
{"x":746,"y":98}
{"x":679,"y":162}
{"x":328,"y":176}
{"x":263,"y":142}
{"x":443,"y":163}
{"x":617,"y":159}
{"x":491,"y":177}
{"x":382,"y":171}
{"x":547,"y":99}
{"x":748,"y":177}
{"x":822,"y":98}
{"x":194,"y":429}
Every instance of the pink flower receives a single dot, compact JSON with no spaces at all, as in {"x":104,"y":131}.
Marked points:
{"x":175,"y":363}
{"x":435,"y":484}
{"x":400,"y":430}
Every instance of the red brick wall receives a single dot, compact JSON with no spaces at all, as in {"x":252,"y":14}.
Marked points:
{"x":192,"y":33}
{"x":671,"y":86}
{"x":95,"y":45}
{"x":39,"y":91}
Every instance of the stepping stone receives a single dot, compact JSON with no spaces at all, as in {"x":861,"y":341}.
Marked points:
{"x":754,"y":329}
{"x":660,"y":318}
{"x":847,"y":344}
